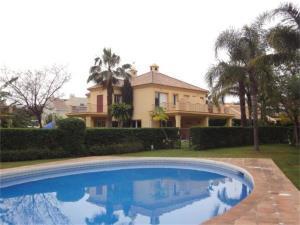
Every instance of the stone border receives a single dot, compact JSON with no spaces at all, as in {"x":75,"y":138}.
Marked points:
{"x":274,"y":199}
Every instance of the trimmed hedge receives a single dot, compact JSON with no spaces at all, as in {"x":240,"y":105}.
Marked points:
{"x":31,"y":144}
{"x":72,"y":134}
{"x":147,"y":136}
{"x":216,"y":137}
{"x":23,"y":138}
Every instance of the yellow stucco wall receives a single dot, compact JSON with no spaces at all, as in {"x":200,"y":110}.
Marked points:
{"x":144,"y":100}
{"x":92,"y":98}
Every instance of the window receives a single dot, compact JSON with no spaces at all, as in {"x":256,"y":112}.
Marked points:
{"x":175,"y":97}
{"x":156,"y":99}
{"x":98,"y":122}
{"x":160,"y":99}
{"x":136,"y":123}
{"x":117,"y":98}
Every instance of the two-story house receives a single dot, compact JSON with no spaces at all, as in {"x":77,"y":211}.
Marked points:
{"x":185,"y":104}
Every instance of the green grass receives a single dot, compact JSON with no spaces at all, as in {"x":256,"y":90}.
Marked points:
{"x":286,"y":157}
{"x":5,"y":165}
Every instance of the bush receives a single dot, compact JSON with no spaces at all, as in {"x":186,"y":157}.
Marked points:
{"x":216,"y":137}
{"x":72,"y":133}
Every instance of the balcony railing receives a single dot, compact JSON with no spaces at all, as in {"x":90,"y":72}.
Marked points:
{"x":180,"y":106}
{"x":194,"y":107}
{"x":91,"y":108}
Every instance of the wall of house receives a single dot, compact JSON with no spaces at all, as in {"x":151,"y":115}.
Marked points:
{"x":143,"y":103}
{"x":144,"y":100}
{"x":92,"y":98}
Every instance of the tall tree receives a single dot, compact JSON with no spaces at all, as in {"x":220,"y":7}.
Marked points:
{"x":284,"y":39}
{"x":243,"y":47}
{"x":228,"y":79}
{"x":127,"y":95}
{"x":35,"y":89}
{"x":107,"y":72}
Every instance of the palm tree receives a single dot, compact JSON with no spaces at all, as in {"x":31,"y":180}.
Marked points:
{"x":106,"y":72}
{"x":159,"y":115}
{"x":253,"y":48}
{"x":121,"y":112}
{"x":228,"y":79}
{"x":290,"y":14}
{"x":244,"y":47}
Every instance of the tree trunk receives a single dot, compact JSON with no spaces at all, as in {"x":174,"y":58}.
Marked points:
{"x":253,"y":90}
{"x":263,"y":111}
{"x":296,"y":131}
{"x":39,"y":118}
{"x":242,"y":103}
{"x":109,"y":103}
{"x":249,"y":102}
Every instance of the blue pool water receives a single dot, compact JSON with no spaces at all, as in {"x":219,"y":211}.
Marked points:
{"x":157,"y":195}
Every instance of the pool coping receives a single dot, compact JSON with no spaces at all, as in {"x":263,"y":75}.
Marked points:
{"x":274,"y":199}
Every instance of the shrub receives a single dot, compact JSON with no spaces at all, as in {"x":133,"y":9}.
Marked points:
{"x":72,"y":133}
{"x":215,"y":137}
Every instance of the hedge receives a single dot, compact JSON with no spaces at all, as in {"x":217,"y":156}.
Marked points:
{"x":23,"y":138}
{"x":31,"y":144}
{"x":72,"y":133}
{"x":156,"y":137}
{"x":216,"y":137}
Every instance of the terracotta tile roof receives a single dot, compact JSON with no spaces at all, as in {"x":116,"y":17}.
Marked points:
{"x":157,"y":78}
{"x":162,"y":79}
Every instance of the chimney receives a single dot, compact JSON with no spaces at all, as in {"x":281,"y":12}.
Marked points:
{"x":154,"y":68}
{"x":133,"y":71}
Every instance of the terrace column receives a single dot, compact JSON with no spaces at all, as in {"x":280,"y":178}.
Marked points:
{"x":178,"y":120}
{"x":88,"y":121}
{"x":205,"y":121}
{"x":229,"y":122}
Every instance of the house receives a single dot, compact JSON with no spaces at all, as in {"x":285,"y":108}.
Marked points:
{"x":185,"y":104}
{"x":61,"y":107}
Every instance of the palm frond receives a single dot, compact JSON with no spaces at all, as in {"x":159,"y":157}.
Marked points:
{"x":290,"y":14}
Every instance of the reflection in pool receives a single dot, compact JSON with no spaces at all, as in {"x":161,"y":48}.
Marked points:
{"x":127,"y":196}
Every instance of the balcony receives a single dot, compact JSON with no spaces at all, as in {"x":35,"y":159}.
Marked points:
{"x":194,"y":108}
{"x":89,"y":108}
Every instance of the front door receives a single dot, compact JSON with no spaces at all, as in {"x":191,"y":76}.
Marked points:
{"x":99,"y":103}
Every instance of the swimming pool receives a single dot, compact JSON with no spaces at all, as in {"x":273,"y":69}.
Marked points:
{"x":139,"y":191}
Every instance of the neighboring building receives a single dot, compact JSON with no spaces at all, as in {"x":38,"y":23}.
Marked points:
{"x":60,"y":107}
{"x":185,"y":104}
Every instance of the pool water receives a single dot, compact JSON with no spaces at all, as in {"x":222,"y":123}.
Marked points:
{"x":123,"y":196}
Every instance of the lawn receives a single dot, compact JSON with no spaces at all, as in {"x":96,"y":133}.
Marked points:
{"x":286,"y":157}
